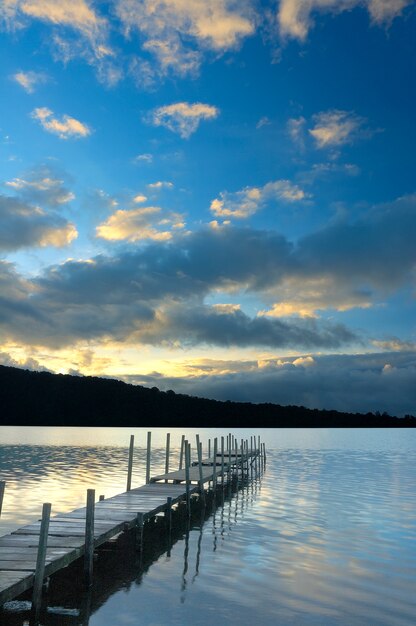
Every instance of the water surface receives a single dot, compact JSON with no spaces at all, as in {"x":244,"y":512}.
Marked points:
{"x":326,"y":536}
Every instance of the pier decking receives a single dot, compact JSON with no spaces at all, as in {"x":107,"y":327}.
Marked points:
{"x":67,"y":533}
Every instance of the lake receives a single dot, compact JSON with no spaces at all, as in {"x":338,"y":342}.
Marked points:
{"x":327,"y":536}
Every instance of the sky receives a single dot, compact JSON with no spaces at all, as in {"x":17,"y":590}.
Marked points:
{"x":212,"y":196}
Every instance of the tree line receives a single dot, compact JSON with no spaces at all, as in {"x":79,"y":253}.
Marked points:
{"x":30,"y":398}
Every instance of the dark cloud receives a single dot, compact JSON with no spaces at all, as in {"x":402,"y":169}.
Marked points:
{"x":23,"y":225}
{"x":45,"y":186}
{"x":378,"y":249}
{"x":208,"y":325}
{"x":354,"y":383}
{"x":156,"y":293}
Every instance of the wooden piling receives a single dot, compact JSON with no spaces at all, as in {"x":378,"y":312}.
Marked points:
{"x":201,"y":479}
{"x":182,"y":452}
{"x":149,"y":443}
{"x":167,"y":454}
{"x":40,"y":560}
{"x":209,"y":448}
{"x":168,"y":513}
{"x":214,"y":466}
{"x":89,"y":537}
{"x":236,"y":461}
{"x":130,"y":465}
{"x":222,"y":463}
{"x":2,"y":488}
{"x":101,"y":498}
{"x":187,"y":481}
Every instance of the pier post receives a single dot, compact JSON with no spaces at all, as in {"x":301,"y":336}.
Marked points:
{"x":187,"y":464}
{"x":209,"y":448}
{"x":222,"y":463}
{"x":167,"y":454}
{"x":242,"y":461}
{"x":168,"y":517}
{"x":149,"y":443}
{"x":89,"y":537}
{"x":201,"y":479}
{"x":236,"y":461}
{"x":214,"y":466}
{"x":251,"y":457}
{"x":130,"y":465}
{"x":168,"y":513}
{"x":2,"y":487}
{"x":182,"y":452}
{"x":101,"y":498}
{"x":40,"y":560}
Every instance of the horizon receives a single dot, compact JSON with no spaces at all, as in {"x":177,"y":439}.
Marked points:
{"x":217,"y":199}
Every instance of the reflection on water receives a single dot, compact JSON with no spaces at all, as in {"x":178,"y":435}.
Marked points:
{"x":326,"y":537}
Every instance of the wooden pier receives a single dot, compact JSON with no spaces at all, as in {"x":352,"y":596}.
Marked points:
{"x":31,"y":554}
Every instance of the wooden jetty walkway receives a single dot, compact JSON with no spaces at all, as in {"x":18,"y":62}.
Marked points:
{"x":31,"y":554}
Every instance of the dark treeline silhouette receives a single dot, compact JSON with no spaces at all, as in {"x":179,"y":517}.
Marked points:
{"x":42,"y":399}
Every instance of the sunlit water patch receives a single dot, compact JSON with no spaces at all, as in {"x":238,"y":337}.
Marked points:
{"x":326,"y":537}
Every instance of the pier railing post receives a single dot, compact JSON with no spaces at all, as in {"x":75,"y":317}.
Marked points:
{"x":236,"y":463}
{"x":187,"y":481}
{"x":182,"y":452}
{"x":40,"y":560}
{"x":149,"y":443}
{"x":222,"y":463}
{"x":167,"y":453}
{"x":2,"y":487}
{"x":130,"y":465}
{"x":89,"y":537}
{"x":214,"y":466}
{"x":201,"y":478}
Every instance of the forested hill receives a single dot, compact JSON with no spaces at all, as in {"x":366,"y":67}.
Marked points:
{"x":43,"y":399}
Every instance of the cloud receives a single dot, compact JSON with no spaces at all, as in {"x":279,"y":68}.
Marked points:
{"x":158,"y":293}
{"x":353,"y":383}
{"x":177,"y":33}
{"x":263,"y":121}
{"x":335,"y":128}
{"x":65,"y":128}
{"x":30,"y":80}
{"x":77,"y":31}
{"x":160,"y":184}
{"x":41,"y":185}
{"x":295,"y":16}
{"x":143,"y":158}
{"x":242,"y":204}
{"x":140,"y":224}
{"x":231,"y":327}
{"x":23,"y":225}
{"x":183,"y":118}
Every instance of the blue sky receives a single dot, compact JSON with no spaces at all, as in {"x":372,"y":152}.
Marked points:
{"x":215,"y":197}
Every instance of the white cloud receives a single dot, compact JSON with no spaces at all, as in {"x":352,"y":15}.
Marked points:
{"x":143,"y":158}
{"x":176,"y":32}
{"x":78,"y":31}
{"x":160,"y":184}
{"x":182,"y":117}
{"x":30,"y":80}
{"x":65,"y":127}
{"x":244,"y":203}
{"x":335,"y":128}
{"x":140,"y":224}
{"x":295,"y":16}
{"x":263,"y":121}
{"x":296,"y":130}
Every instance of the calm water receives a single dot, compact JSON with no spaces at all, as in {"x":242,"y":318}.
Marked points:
{"x":327,"y":536}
